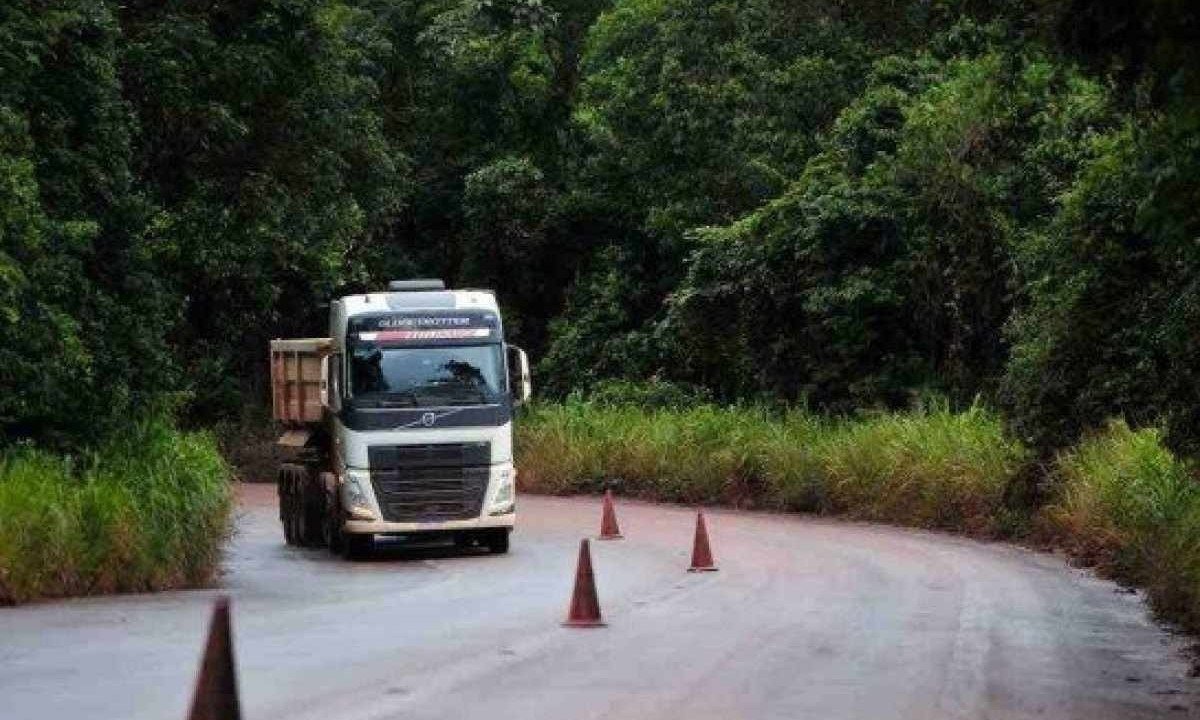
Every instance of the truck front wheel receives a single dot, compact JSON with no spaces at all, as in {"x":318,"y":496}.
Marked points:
{"x":287,"y":503}
{"x":497,"y":541}
{"x":332,"y":513}
{"x":311,"y":510}
{"x":357,"y":546}
{"x":301,"y":506}
{"x":334,"y":540}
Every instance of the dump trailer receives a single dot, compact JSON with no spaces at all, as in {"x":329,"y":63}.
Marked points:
{"x":400,"y":422}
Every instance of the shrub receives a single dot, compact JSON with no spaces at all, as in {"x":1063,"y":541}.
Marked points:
{"x":677,"y":455}
{"x":1124,"y":502}
{"x":147,"y":511}
{"x":932,"y":468}
{"x":654,"y":393}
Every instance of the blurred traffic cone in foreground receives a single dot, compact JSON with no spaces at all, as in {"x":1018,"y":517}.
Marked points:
{"x":216,"y":695}
{"x":608,"y":519}
{"x":585,"y":607}
{"x":702,"y":559}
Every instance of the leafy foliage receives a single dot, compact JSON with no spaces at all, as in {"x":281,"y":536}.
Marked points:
{"x":930,"y":468}
{"x":844,"y":204}
{"x":262,"y":139}
{"x":1114,"y":296}
{"x":887,"y":267}
{"x":85,"y":312}
{"x":148,"y":510}
{"x":1127,"y":504}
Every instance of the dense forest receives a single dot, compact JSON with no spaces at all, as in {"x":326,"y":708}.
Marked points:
{"x":844,"y":204}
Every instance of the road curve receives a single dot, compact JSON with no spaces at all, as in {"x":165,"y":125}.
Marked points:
{"x":806,"y":619}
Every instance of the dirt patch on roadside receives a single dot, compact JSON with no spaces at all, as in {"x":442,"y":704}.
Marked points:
{"x":255,"y":495}
{"x":249,"y":447}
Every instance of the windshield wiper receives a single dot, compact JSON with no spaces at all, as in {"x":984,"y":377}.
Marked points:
{"x":396,"y":404}
{"x":403,"y":398}
{"x":457,"y":394}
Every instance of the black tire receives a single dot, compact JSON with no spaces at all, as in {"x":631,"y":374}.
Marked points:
{"x":301,"y":507}
{"x":314,"y":519}
{"x":334,"y":539}
{"x":331,"y":513}
{"x":299,"y":529}
{"x":287,"y":504}
{"x":497,"y":542}
{"x":356,"y":546}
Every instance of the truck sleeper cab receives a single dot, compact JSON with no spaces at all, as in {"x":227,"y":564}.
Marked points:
{"x":414,"y":435}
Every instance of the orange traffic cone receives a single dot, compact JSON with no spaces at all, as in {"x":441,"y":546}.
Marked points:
{"x":608,"y":519}
{"x":585,"y":607}
{"x":702,"y":559}
{"x":216,"y":695}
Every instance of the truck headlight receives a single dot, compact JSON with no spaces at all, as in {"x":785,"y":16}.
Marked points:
{"x":504,"y":501}
{"x":354,"y":495}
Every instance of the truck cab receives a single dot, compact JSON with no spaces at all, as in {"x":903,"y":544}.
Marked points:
{"x":417,"y":395}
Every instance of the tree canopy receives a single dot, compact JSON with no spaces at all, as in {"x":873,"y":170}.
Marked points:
{"x":842,"y":203}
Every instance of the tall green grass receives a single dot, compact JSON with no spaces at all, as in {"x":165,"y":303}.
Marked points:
{"x":1126,"y":503}
{"x":147,"y":511}
{"x":931,"y":468}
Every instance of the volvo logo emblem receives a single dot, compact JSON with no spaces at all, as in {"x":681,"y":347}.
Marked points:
{"x":428,"y":419}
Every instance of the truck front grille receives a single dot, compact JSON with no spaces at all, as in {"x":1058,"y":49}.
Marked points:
{"x":430,"y":483}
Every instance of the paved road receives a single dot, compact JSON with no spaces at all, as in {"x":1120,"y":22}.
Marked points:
{"x":806,"y":619}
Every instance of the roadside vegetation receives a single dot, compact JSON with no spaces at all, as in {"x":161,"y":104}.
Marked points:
{"x":148,"y":510}
{"x":833,"y":204}
{"x":1120,"y":500}
{"x":931,"y":468}
{"x":1124,"y":502}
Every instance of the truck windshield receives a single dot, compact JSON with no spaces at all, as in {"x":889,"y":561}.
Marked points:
{"x":428,"y":376}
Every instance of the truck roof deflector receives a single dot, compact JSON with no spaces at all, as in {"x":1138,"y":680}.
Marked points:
{"x":416,"y":285}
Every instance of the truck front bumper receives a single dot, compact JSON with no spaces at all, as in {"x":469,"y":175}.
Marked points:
{"x":381,"y":527}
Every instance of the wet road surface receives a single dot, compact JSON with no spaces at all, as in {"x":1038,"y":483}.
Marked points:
{"x":806,"y":619}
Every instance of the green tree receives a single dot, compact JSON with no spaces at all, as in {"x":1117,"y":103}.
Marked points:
{"x":1114,"y":296}
{"x":887,"y":269}
{"x":689,"y":113}
{"x":84,"y":310}
{"x":261,"y":137}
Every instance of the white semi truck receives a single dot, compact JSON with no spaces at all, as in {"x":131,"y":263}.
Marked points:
{"x":400,"y":422}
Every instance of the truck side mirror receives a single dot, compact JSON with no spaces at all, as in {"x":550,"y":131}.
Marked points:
{"x":332,"y":387}
{"x":519,"y":384}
